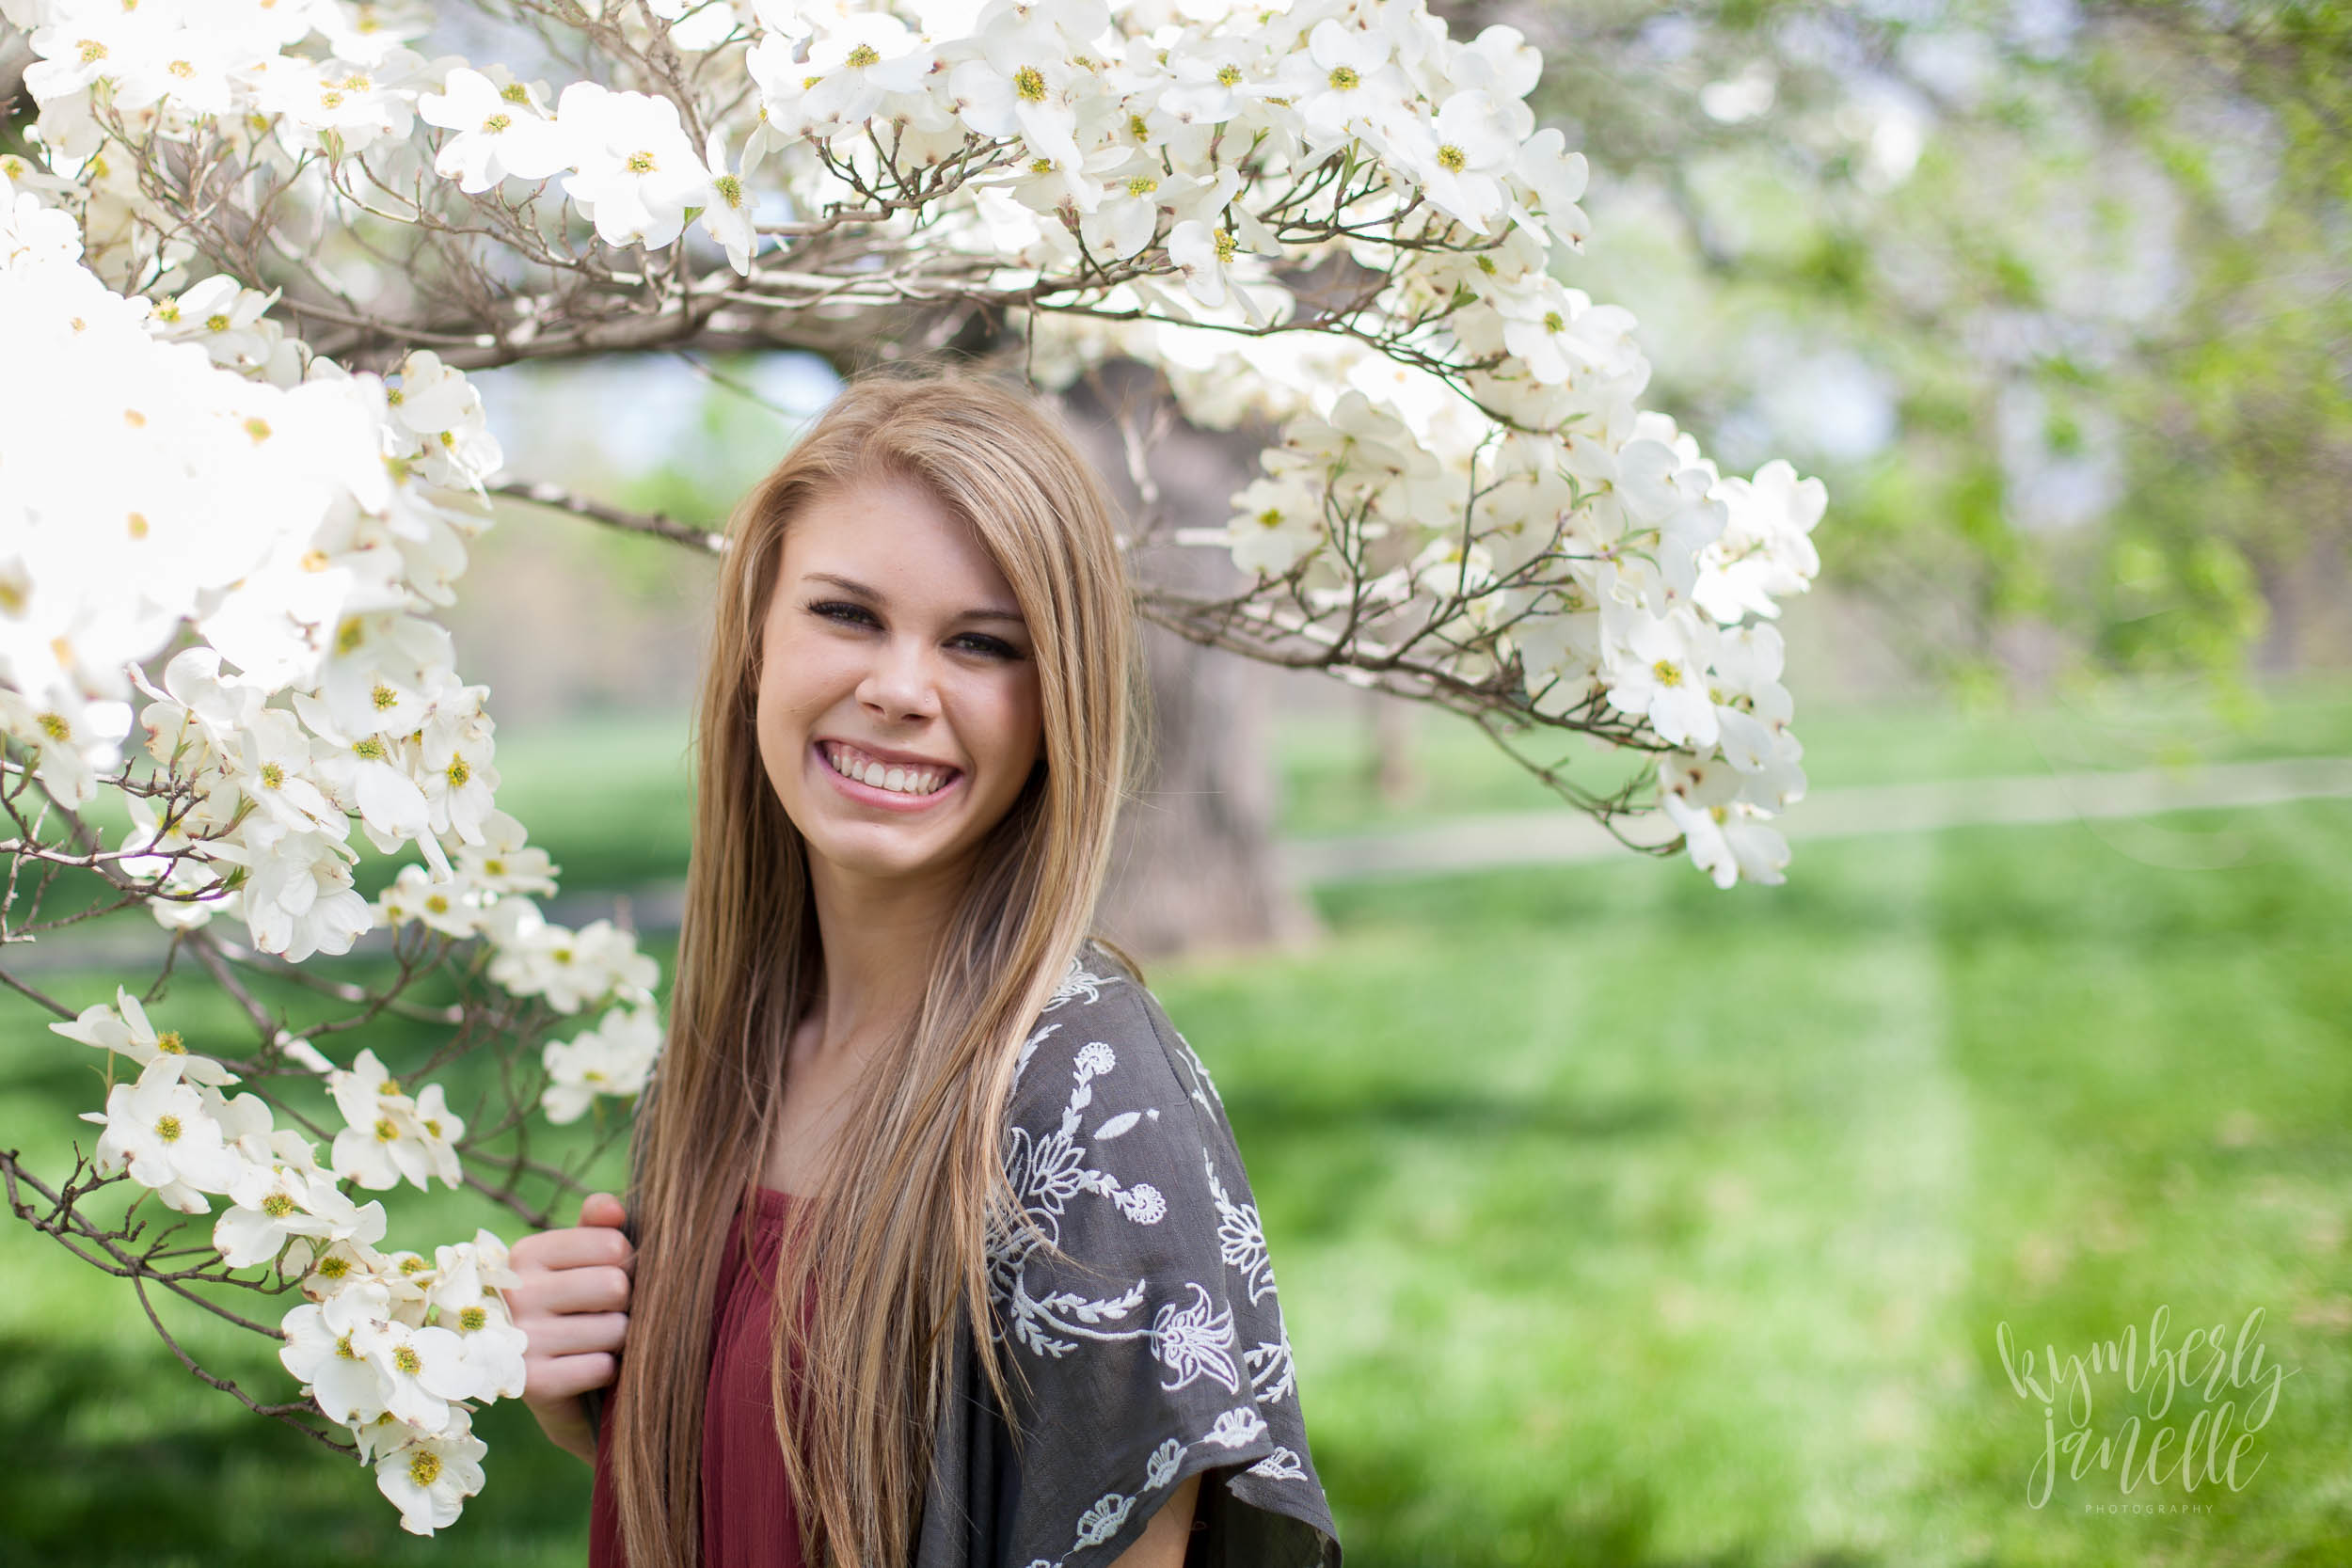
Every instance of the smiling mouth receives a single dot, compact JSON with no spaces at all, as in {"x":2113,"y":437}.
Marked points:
{"x":890,"y":777}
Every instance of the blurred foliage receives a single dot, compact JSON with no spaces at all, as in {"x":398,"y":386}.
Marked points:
{"x":2093,"y":259}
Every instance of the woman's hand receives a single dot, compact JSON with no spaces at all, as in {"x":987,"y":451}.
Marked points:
{"x":571,"y":1301}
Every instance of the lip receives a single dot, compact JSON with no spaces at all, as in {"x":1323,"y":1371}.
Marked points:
{"x":883,"y":800}
{"x":884,"y":753}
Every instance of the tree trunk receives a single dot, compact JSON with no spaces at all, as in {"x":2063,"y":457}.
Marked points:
{"x":1194,"y":868}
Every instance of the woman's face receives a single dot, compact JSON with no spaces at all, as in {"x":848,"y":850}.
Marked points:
{"x":899,"y":712}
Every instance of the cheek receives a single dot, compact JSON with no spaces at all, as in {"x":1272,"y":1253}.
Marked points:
{"x":1017,"y":716}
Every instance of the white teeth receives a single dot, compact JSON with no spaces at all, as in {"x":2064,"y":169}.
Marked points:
{"x":898,"y":780}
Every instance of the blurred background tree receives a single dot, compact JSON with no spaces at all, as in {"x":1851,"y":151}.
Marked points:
{"x":2055,"y":297}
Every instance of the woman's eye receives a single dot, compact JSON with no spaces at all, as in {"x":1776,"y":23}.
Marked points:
{"x":993,"y":646}
{"x":835,"y":609}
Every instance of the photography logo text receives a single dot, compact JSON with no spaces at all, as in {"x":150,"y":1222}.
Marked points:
{"x":2192,"y":1413}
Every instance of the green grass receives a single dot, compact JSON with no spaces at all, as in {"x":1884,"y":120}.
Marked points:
{"x":1624,"y":1221}
{"x":1620,"y":1220}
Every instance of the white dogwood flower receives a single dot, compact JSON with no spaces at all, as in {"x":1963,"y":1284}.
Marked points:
{"x":614,"y":1059}
{"x":501,"y":131}
{"x":159,"y":1130}
{"x":638,"y":173}
{"x":276,"y":1203}
{"x":329,"y":1350}
{"x":425,"y":1368}
{"x":430,"y":1478}
{"x":124,"y":1029}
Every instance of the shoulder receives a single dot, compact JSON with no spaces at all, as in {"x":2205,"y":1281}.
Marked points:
{"x":1105,"y":1035}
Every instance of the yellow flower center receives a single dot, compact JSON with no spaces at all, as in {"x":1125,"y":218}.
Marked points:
{"x":640,"y":163}
{"x":1345,"y":80}
{"x":277,"y":1206}
{"x":1029,"y":83}
{"x":168,"y":1043}
{"x":862,"y":57}
{"x":1666,"y":673}
{"x":424,"y":1467}
{"x":1229,"y":76}
{"x":168,"y":1129}
{"x":1453,"y":159}
{"x":385,"y":1130}
{"x":497,"y":123}
{"x":137,"y":521}
{"x":407,"y":1360}
{"x":472,"y":1321}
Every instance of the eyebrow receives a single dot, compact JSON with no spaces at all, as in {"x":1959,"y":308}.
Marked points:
{"x":851,"y":585}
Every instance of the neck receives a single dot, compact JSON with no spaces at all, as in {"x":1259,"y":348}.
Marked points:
{"x":880,"y":935}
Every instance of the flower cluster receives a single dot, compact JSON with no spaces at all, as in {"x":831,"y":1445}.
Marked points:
{"x":397,"y":1347}
{"x":301,"y":522}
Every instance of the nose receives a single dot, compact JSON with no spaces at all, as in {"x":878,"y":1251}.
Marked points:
{"x":900,"y":684}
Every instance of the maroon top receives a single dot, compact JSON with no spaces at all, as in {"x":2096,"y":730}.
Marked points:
{"x":749,"y":1520}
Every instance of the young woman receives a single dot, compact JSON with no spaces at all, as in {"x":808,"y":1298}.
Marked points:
{"x":902,"y":1086}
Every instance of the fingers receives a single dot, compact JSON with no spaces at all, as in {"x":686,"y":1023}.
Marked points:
{"x":603,"y":1209}
{"x":579,"y":1247}
{"x":562,"y":1376}
{"x":577,"y":1333}
{"x":595,"y":1289}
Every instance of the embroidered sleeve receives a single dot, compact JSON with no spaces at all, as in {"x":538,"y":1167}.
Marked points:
{"x":1146,"y":1344}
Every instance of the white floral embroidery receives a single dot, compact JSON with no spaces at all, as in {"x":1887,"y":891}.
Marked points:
{"x":1237,"y":1427}
{"x":1162,"y":1468}
{"x":1195,"y":1342}
{"x":1281,"y":1465}
{"x":1270,"y":1366}
{"x":1142,"y":1203}
{"x":1076,"y":982}
{"x":1240,"y":1239}
{"x":1100,"y":1522}
{"x":1200,"y":1072}
{"x":1028,"y":1049}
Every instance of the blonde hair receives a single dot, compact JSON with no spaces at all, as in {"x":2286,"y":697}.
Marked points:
{"x":904,"y":1212}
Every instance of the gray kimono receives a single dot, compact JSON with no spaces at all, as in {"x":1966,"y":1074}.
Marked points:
{"x":1154,"y":1349}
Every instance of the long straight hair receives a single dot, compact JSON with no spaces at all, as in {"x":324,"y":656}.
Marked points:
{"x":894,"y":1237}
